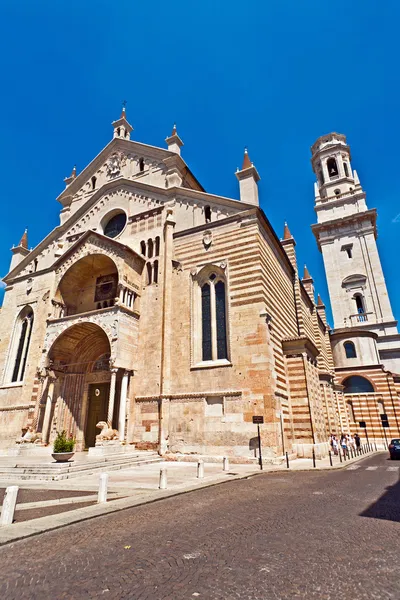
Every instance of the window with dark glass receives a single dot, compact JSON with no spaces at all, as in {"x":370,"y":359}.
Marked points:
{"x":355,"y":384}
{"x":214,"y":318}
{"x":350,"y":350}
{"x":206,"y":321}
{"x":115,"y":225}
{"x":346,"y":169}
{"x":220,"y":315}
{"x":24,"y":325}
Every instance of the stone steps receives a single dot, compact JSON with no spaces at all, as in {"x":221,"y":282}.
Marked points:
{"x":58,"y":472}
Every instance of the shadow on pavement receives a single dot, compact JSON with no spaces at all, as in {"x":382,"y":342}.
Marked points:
{"x":387,"y":506}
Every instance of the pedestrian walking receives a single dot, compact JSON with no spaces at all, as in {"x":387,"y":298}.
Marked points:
{"x":343,"y":444}
{"x":335,"y":445}
{"x":357,"y":441}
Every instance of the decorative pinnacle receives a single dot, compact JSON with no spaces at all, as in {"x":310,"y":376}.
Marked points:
{"x":319,"y":301}
{"x":286,"y":233}
{"x":174,"y":132}
{"x":24,"y":240}
{"x":123,"y":112}
{"x":306,"y":274}
{"x":246,"y":160}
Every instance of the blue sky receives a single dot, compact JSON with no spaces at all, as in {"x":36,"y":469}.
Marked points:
{"x":270,"y":74}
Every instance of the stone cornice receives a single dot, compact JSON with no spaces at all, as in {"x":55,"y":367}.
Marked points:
{"x":334,"y":224}
{"x":189,"y":395}
{"x":351,"y":332}
{"x":299,"y":345}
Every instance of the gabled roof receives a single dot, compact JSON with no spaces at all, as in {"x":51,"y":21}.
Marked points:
{"x":128,"y":146}
{"x":104,"y":239}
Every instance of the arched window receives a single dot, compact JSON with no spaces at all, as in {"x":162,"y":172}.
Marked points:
{"x":155,"y":271}
{"x":119,"y":131}
{"x":141,"y":165}
{"x":346,"y":169}
{"x":93,"y":183}
{"x":332,"y":167}
{"x":360,"y":306}
{"x":214,"y":343}
{"x":149,"y":248}
{"x":350,"y":412}
{"x":355,"y":384}
{"x":143,"y":247}
{"x":350,"y":350}
{"x":21,"y":342}
{"x":207,"y":214}
{"x":157,"y":246}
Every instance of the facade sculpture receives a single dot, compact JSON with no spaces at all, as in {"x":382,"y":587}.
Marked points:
{"x":170,"y":317}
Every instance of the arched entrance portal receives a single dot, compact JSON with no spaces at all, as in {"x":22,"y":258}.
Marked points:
{"x":80,"y":363}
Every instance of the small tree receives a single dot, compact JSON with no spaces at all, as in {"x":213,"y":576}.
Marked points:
{"x":62,"y":444}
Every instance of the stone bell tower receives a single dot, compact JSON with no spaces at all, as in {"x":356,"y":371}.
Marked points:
{"x":346,"y":235}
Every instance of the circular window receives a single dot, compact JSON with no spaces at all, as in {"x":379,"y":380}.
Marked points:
{"x":115,"y":225}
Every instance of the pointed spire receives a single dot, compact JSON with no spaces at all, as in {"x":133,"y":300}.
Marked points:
{"x":73,"y":172}
{"x":319,"y":302}
{"x":306,"y":274}
{"x":246,"y":160}
{"x":24,"y":240}
{"x":356,"y":178}
{"x":286,"y":232}
{"x":174,"y":132}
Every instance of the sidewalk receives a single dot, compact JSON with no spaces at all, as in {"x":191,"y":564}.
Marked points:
{"x":128,"y":488}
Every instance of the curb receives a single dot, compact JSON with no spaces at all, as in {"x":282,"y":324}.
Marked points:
{"x":19,"y":531}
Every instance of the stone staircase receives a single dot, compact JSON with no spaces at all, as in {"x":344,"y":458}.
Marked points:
{"x":52,"y":471}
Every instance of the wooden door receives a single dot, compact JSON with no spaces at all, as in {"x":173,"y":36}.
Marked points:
{"x":98,"y":404}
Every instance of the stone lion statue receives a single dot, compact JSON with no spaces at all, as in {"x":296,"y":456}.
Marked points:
{"x":106,"y":432}
{"x":30,"y":437}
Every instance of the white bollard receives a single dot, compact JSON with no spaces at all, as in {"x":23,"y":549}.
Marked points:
{"x":9,"y":502}
{"x":102,"y":496}
{"x":200,"y":469}
{"x":163,"y":479}
{"x":225,"y":464}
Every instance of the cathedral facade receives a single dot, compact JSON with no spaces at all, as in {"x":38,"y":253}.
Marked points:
{"x":176,"y":316}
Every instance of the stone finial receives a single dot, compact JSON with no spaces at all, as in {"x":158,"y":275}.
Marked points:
{"x":122,"y":128}
{"x":246,"y":160}
{"x":174,"y":142}
{"x":71,"y":178}
{"x":24,"y":240}
{"x":319,"y":302}
{"x":306,"y":274}
{"x":286,"y":232}
{"x":356,"y":178}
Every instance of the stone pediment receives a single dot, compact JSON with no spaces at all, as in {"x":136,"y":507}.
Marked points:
{"x":125,"y":159}
{"x":91,"y":243}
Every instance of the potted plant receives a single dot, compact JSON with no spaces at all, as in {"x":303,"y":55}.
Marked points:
{"x":63,"y":448}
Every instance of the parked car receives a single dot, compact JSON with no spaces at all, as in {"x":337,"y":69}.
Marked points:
{"x":394,"y":448}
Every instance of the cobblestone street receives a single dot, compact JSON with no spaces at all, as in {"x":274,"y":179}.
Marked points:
{"x":286,"y":535}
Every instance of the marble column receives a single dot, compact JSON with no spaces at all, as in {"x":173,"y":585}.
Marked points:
{"x":111,"y":400}
{"x":122,"y":406}
{"x":48,"y":410}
